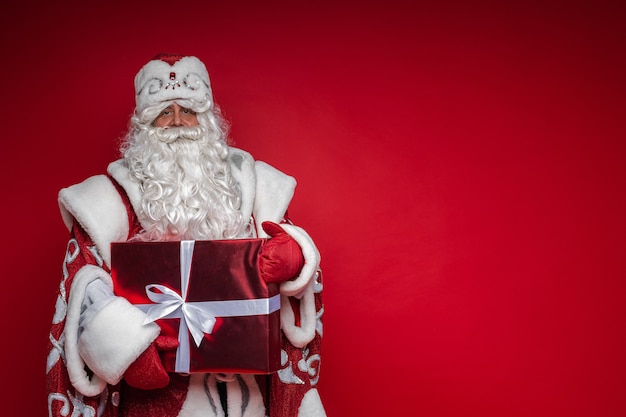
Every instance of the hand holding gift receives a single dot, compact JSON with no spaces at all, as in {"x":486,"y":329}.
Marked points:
{"x":281,"y":258}
{"x":147,"y":372}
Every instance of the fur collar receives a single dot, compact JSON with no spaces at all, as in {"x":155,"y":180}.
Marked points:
{"x":95,"y":203}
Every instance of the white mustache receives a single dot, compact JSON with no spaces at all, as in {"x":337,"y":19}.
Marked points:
{"x":171,"y":134}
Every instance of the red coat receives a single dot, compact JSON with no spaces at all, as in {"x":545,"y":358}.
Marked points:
{"x":102,"y":391}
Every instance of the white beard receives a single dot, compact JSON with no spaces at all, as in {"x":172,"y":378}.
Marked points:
{"x":188,"y":190}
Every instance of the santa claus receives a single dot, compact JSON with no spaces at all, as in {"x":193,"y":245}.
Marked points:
{"x":178,"y":179}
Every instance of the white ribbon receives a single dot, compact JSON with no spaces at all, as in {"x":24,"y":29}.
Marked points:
{"x":169,"y":303}
{"x":196,"y":317}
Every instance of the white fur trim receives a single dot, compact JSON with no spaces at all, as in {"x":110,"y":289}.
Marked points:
{"x":302,"y":335}
{"x":311,"y":260}
{"x":119,"y":172}
{"x":159,"y":81}
{"x":115,"y":338}
{"x":74,"y":362}
{"x":311,"y":405}
{"x":99,"y":209}
{"x":274,"y":191}
{"x":242,"y":170}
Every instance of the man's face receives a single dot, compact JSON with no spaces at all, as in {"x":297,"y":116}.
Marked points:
{"x":176,"y":116}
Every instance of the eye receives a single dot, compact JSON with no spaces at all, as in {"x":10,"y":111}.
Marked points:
{"x":166,"y":111}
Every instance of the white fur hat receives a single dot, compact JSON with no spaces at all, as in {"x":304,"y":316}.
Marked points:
{"x":169,"y":77}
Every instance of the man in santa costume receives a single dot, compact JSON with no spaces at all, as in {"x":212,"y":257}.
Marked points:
{"x":178,"y":180}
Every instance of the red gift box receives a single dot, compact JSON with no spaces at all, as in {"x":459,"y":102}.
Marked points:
{"x":207,"y":294}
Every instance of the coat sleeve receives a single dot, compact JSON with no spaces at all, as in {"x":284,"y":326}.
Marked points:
{"x":294,"y":387}
{"x":273,"y":193}
{"x":104,"y":333}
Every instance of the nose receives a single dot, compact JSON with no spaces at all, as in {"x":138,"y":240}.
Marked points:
{"x":177,"y":120}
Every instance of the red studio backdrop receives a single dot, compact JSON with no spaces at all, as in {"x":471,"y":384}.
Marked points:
{"x":461,"y":166}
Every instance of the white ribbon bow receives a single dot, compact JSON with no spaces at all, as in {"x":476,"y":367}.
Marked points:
{"x":197,"y":320}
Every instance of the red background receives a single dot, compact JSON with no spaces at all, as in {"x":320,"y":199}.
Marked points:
{"x":460,"y":165}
